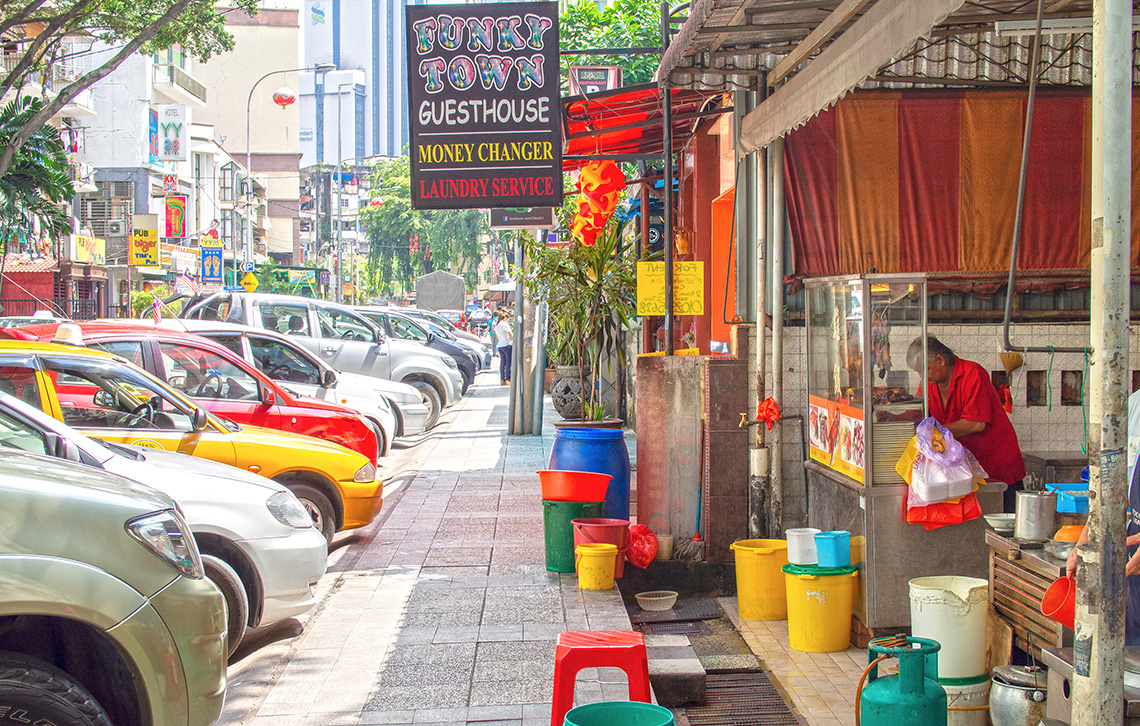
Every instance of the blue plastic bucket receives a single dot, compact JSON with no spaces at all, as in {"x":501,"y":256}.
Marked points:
{"x":833,"y":548}
{"x":619,"y":713}
{"x":598,"y":450}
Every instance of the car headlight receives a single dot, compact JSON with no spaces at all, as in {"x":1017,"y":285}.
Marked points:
{"x":168,"y":536}
{"x":288,"y":511}
{"x":450,"y":362}
{"x":367,"y":473}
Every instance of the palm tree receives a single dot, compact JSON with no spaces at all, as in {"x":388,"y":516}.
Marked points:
{"x":37,"y":184}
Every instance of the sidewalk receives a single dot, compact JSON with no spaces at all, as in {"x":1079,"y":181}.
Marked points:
{"x":445,"y":612}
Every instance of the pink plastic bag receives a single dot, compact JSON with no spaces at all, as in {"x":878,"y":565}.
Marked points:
{"x":642,"y":546}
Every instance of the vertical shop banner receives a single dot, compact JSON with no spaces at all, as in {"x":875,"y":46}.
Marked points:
{"x":484,"y":94}
{"x":152,"y":135}
{"x":211,"y":249}
{"x":144,"y":247}
{"x":176,"y":216}
{"x":173,"y":132}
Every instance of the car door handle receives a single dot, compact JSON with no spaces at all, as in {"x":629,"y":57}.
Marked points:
{"x":329,"y":350}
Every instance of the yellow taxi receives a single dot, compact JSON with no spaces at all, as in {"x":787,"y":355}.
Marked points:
{"x":110,"y":399}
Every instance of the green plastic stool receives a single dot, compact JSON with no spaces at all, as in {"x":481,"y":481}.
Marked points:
{"x":625,"y":713}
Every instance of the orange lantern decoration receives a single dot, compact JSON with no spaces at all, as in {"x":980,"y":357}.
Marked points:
{"x":600,"y":184}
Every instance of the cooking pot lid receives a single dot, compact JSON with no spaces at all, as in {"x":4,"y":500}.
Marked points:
{"x":1021,"y":676}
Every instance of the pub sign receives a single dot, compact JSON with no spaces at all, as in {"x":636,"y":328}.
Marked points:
{"x":484,"y":97}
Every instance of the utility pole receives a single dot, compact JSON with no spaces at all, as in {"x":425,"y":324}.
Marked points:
{"x":338,"y":283}
{"x":1098,"y":647}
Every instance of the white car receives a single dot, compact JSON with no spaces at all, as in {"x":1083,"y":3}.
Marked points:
{"x":258,"y":543}
{"x":397,"y":408}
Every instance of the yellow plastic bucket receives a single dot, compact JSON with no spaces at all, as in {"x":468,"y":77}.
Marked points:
{"x":819,"y":607}
{"x":760,"y":590}
{"x":595,"y":562}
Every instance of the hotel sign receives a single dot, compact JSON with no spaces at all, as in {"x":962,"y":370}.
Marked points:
{"x":484,"y":83}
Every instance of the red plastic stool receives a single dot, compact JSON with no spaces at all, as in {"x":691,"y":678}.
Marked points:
{"x":580,"y":649}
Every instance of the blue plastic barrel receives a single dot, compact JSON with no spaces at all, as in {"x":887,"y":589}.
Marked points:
{"x":599,"y":450}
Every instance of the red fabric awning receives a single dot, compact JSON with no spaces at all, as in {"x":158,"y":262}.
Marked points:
{"x":630,"y":121}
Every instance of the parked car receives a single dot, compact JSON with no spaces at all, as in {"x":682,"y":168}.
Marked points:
{"x":106,"y":616}
{"x":220,"y":381}
{"x":456,"y":317}
{"x":40,"y":316}
{"x":108,"y":398}
{"x":258,"y":543}
{"x":342,"y":338}
{"x":478,"y":319}
{"x":440,"y":320}
{"x":400,"y":327}
{"x":482,"y":352}
{"x":399,"y":409}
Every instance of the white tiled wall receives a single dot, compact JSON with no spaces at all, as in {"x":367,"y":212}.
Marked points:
{"x":1038,"y":427}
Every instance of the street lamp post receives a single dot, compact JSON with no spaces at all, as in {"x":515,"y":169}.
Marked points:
{"x":249,"y":155}
{"x":339,"y":267}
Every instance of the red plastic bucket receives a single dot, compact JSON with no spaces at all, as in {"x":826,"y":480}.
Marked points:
{"x":604,"y":531}
{"x":1059,"y":601}
{"x":573,"y":486}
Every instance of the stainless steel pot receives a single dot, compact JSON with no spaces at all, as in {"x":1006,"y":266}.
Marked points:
{"x":1018,"y":696}
{"x":1036,"y":515}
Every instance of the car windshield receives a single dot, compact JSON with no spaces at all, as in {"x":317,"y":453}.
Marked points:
{"x":108,"y":394}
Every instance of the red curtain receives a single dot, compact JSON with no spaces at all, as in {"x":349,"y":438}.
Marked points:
{"x":927,"y":182}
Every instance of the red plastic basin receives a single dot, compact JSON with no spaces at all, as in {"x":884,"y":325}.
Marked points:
{"x":573,"y":486}
{"x":1060,"y":600}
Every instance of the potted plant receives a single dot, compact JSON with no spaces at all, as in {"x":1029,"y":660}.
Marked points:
{"x":590,"y":289}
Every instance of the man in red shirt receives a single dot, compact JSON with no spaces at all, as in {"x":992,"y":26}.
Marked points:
{"x":963,"y":399}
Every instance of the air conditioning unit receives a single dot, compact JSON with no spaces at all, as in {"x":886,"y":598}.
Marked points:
{"x":115,"y":228}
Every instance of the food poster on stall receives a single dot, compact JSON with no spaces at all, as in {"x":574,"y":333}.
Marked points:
{"x":836,"y":436}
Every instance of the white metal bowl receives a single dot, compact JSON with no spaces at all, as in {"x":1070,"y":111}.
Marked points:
{"x":656,"y":600}
{"x":1002,"y":523}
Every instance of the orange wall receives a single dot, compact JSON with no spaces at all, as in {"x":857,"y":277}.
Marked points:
{"x":720,"y":272}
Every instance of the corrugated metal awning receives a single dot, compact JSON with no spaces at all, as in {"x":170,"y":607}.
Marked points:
{"x":812,"y":52}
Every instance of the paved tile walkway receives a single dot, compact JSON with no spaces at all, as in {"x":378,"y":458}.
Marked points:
{"x":821,"y":686}
{"x":445,"y":612}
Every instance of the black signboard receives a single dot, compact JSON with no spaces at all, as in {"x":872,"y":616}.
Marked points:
{"x":484,"y":83}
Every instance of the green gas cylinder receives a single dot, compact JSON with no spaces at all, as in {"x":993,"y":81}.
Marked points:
{"x":911,"y":698}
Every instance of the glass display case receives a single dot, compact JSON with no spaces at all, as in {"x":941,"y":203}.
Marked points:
{"x":866,"y":372}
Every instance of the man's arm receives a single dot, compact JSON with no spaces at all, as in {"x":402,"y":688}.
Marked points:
{"x":964,"y":427}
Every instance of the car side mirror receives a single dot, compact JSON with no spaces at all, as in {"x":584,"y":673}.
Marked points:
{"x":62,"y":448}
{"x":198,"y":419}
{"x":328,"y":378}
{"x":431,"y":338}
{"x":268,"y":397}
{"x":104,"y":399}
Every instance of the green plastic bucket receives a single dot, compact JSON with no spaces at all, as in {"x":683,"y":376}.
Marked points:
{"x":559,"y":532}
{"x":619,"y":713}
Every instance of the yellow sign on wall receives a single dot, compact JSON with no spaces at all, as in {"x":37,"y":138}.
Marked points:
{"x":688,"y":288}
{"x":91,"y":250}
{"x":144,"y":247}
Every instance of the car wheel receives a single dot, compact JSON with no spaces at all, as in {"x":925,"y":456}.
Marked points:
{"x":33,"y":691}
{"x":468,"y":379}
{"x":229,"y":582}
{"x":432,"y":397}
{"x":317,"y":505}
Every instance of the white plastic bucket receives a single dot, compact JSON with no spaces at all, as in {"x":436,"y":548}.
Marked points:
{"x":952,"y":610}
{"x":801,"y":545}
{"x":972,"y":698}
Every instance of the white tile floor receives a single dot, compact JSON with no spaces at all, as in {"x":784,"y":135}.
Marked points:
{"x":821,"y":686}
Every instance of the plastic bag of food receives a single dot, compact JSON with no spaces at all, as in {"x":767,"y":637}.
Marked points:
{"x":942,"y":469}
{"x":642,"y":545}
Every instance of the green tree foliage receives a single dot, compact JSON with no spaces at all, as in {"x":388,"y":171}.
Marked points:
{"x":623,"y":24}
{"x":404,"y":243}
{"x":37,"y":183}
{"x":127,"y":26}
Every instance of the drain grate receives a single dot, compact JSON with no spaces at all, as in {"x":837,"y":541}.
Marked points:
{"x":692,"y":628}
{"x":741,"y":699}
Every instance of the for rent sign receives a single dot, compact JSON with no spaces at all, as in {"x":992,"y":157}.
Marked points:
{"x":484,"y":93}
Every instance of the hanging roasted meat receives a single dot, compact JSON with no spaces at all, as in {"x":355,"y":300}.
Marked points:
{"x":881,"y":344}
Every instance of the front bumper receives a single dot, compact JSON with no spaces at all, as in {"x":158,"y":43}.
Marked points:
{"x":414,"y":416}
{"x":178,"y":643}
{"x":289,"y":566}
{"x":362,"y":502}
